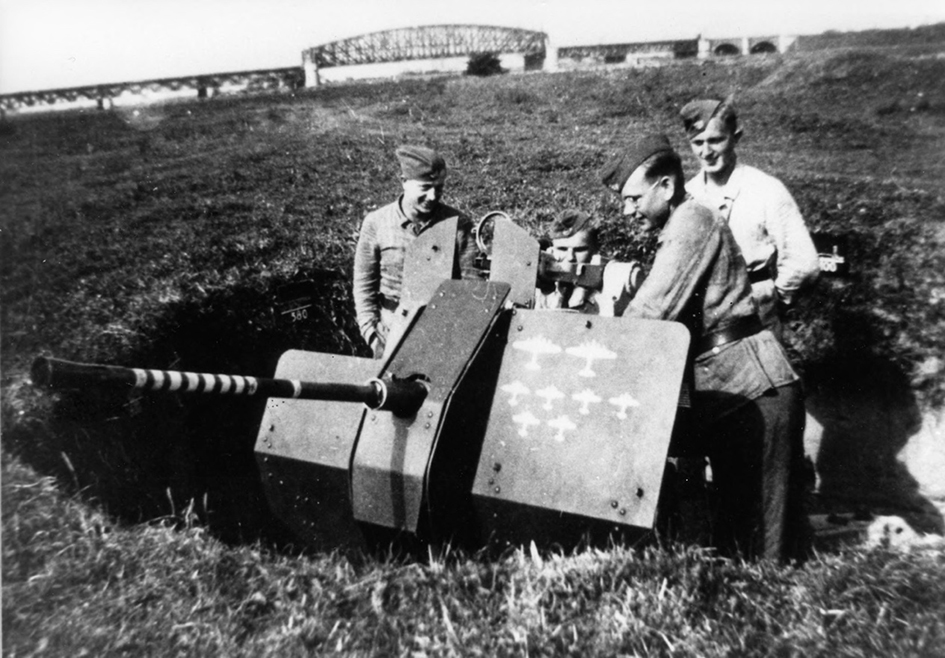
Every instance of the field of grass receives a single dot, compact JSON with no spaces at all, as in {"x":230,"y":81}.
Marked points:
{"x":77,"y":584}
{"x":157,"y":237}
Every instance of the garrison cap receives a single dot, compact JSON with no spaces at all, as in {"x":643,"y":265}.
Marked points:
{"x":616,"y":172}
{"x":568,"y":223}
{"x":421,"y":163}
{"x":697,"y":114}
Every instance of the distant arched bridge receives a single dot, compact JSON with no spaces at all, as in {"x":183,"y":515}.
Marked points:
{"x":427,"y":42}
{"x":746,"y":45}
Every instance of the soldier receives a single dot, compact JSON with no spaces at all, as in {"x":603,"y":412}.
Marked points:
{"x":747,"y":403}
{"x":762,"y":214}
{"x":386,"y":234}
{"x":573,"y":240}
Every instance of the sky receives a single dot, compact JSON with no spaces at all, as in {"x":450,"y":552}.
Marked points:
{"x":53,"y":44}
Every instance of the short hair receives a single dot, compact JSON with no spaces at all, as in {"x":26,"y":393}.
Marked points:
{"x":666,"y":163}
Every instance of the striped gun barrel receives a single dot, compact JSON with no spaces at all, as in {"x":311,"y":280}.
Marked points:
{"x":400,"y":396}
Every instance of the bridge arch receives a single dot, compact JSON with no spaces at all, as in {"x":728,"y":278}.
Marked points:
{"x":726,"y":49}
{"x":763,"y":48}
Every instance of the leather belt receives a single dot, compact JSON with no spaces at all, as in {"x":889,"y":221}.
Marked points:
{"x":741,"y":328}
{"x":757,"y":276}
{"x":388,"y":303}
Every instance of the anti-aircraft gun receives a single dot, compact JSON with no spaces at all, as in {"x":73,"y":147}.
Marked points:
{"x":486,"y":420}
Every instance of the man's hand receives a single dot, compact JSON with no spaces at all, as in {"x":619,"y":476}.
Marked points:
{"x":377,"y":344}
{"x":785,"y":309}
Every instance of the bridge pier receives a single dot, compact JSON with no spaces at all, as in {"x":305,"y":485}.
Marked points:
{"x":551,"y":56}
{"x":785,"y":42}
{"x":310,"y":69}
{"x":703,"y":48}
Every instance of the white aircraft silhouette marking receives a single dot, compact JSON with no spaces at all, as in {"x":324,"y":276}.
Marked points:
{"x":550,"y":393}
{"x":587,"y":397}
{"x":562,"y":424}
{"x":515,"y":389}
{"x":623,"y":402}
{"x":536,"y":346}
{"x":591,"y":351}
{"x":526,"y":419}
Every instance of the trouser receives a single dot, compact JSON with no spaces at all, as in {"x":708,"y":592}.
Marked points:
{"x":757,"y":459}
{"x":683,"y":513}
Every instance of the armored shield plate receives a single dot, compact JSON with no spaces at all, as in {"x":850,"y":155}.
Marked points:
{"x":390,"y":461}
{"x":304,"y":450}
{"x":582,"y":417}
{"x":428,"y":261}
{"x":515,"y":261}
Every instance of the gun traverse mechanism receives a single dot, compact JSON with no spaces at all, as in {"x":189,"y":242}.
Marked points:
{"x":485,"y":421}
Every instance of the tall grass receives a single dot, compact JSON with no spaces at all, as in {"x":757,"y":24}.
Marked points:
{"x":76,"y":583}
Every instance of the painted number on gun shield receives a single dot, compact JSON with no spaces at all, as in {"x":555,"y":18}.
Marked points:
{"x":297,"y":314}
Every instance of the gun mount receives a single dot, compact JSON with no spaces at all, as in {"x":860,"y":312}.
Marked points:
{"x":485,"y":421}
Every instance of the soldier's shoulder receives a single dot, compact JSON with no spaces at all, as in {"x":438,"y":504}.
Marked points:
{"x":758,"y":179}
{"x":693,"y":221}
{"x":382,"y":215}
{"x":693,"y":210}
{"x":387,"y":208}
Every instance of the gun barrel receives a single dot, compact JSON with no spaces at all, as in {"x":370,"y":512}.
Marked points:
{"x":402,"y":397}
{"x":586,"y":275}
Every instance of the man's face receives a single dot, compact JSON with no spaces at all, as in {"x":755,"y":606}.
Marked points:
{"x":421,"y":197}
{"x":579,"y":248}
{"x":715,"y":147}
{"x":647,"y":201}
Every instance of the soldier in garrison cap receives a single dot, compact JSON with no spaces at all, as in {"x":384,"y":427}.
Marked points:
{"x":762,"y":214}
{"x":574,"y":239}
{"x":747,"y":406}
{"x":387,"y":232}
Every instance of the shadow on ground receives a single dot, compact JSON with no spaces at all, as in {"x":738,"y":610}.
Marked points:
{"x":865,"y":413}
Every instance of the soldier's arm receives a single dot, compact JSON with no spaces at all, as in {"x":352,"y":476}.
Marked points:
{"x":798,"y":264}
{"x":367,"y":279}
{"x":678,"y":269}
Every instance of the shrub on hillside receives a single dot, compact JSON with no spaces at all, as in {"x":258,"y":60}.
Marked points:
{"x":483,"y":64}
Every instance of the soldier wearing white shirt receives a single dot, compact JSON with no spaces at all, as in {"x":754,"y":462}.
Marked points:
{"x":762,"y":214}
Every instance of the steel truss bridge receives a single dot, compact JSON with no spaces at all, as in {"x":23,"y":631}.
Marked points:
{"x":620,"y":51}
{"x":427,"y":42}
{"x":200,"y":86}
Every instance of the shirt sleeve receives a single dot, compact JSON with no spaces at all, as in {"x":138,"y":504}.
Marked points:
{"x":679,"y":268}
{"x":367,"y":278}
{"x":798,"y":264}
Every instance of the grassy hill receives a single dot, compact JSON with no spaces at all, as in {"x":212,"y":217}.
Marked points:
{"x":158,"y":237}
